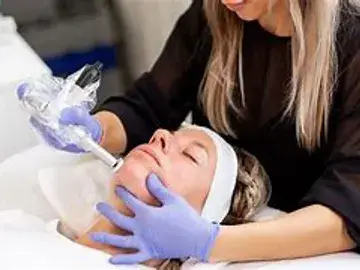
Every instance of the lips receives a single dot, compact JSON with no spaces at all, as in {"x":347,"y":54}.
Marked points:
{"x":236,"y":5}
{"x":149,"y":151}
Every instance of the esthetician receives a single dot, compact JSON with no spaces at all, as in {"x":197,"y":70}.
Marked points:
{"x":278,"y":78}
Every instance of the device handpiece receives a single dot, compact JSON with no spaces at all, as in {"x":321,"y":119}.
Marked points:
{"x":87,"y":143}
{"x":89,"y":75}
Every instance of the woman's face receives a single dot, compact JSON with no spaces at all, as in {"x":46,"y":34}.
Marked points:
{"x":249,"y":10}
{"x":184,"y":160}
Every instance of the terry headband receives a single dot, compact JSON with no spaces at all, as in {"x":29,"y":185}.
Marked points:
{"x":218,"y":201}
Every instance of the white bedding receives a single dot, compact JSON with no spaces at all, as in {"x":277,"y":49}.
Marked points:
{"x":19,"y":186}
{"x":348,"y":261}
{"x":29,"y":241}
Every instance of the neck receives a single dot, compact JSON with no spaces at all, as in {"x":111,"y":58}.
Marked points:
{"x":278,"y":20}
{"x":104,"y":225}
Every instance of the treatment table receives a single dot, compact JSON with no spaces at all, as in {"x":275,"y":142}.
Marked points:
{"x":19,"y":189}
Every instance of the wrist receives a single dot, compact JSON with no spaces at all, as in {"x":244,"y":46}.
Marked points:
{"x":113,"y":136}
{"x":98,"y":135}
{"x":100,"y":118}
{"x":212,"y":233}
{"x":215,"y":253}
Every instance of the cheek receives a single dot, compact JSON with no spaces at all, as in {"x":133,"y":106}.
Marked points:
{"x":131,"y":172}
{"x":132,"y":175}
{"x":190,"y":182}
{"x":180,"y":176}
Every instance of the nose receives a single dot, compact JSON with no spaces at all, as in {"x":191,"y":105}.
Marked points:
{"x":162,"y":139}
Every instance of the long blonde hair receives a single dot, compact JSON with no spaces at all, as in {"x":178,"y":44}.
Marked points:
{"x":314,"y":67}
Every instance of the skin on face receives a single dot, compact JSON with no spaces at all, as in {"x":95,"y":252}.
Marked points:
{"x":273,"y":15}
{"x":248,"y":10}
{"x":184,"y":160}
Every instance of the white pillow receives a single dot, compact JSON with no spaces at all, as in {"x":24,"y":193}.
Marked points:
{"x":74,"y":190}
{"x":19,"y":187}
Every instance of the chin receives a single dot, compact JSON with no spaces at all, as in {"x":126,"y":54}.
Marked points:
{"x":247,"y":17}
{"x":136,"y":168}
{"x":132,"y":176}
{"x":132,"y":169}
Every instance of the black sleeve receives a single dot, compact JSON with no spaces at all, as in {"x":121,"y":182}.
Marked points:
{"x":162,"y":97}
{"x":339,"y":186}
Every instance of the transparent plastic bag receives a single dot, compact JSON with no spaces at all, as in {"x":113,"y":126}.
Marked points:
{"x":45,"y":98}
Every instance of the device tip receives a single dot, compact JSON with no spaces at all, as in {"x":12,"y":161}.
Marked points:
{"x":117,"y":165}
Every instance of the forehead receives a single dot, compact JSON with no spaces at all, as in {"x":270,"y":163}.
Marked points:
{"x":195,"y":135}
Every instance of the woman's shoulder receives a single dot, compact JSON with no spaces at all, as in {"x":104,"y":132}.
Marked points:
{"x":194,"y":31}
{"x":349,"y":31}
{"x":193,"y":22}
{"x":348,"y":49}
{"x":195,"y":11}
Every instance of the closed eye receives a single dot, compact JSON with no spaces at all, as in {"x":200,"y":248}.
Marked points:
{"x":190,"y":157}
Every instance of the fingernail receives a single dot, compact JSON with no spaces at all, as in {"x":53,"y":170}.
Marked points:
{"x":100,"y":206}
{"x":153,"y":177}
{"x":95,"y":237}
{"x":22,"y":90}
{"x":119,"y":189}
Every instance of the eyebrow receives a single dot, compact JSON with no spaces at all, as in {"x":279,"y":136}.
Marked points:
{"x":199,"y":144}
{"x":195,"y":143}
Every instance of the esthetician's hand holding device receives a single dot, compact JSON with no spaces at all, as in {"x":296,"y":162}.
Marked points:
{"x":60,"y":112}
{"x":174,"y":230}
{"x":68,"y":101}
{"x":70,"y":116}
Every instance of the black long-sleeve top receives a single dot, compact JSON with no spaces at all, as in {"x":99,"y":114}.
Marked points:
{"x":330,"y":175}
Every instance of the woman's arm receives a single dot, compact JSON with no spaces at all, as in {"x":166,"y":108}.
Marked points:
{"x":114,"y":138}
{"x":313,"y":230}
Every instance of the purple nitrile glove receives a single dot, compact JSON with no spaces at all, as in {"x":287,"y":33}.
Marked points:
{"x":70,"y":116}
{"x":77,"y":116}
{"x":173,"y":231}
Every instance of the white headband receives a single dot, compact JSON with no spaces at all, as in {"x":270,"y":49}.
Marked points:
{"x":218,"y":201}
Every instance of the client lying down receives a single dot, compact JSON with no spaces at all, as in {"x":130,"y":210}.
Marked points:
{"x":220,"y":183}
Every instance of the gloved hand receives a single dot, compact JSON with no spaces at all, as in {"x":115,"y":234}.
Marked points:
{"x":174,"y":230}
{"x":70,"y":116}
{"x":77,"y":115}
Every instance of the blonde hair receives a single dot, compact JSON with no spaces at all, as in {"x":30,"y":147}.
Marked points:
{"x":314,"y":67}
{"x":251,"y":193}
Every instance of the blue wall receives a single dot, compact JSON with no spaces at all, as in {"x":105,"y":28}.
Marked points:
{"x":66,"y":64}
